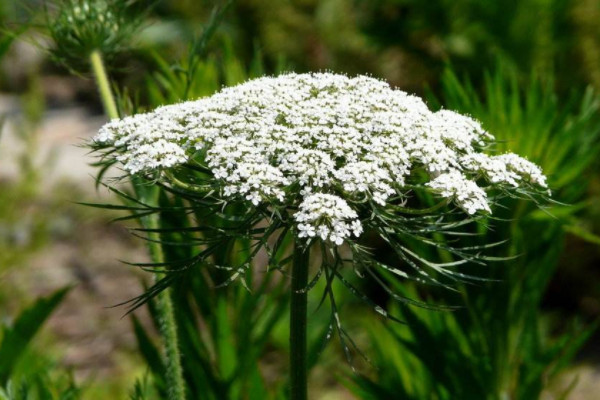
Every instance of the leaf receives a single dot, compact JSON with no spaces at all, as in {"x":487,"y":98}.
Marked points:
{"x":17,"y":338}
{"x":226,"y":348}
{"x":8,"y":38}
{"x":257,"y":389}
{"x":582,"y":233}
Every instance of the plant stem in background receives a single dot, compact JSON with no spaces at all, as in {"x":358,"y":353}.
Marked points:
{"x":108,"y":100}
{"x":298,"y":318}
{"x":168,"y":326}
{"x":164,"y":303}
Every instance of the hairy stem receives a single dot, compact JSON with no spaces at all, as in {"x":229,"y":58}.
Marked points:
{"x":148,"y":195}
{"x":164,"y":303}
{"x":108,"y":100}
{"x":298,"y":320}
{"x":168,"y":330}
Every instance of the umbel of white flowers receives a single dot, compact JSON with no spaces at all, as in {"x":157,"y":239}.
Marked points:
{"x":338,"y":140}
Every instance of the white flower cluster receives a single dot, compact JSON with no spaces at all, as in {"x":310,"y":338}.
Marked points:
{"x":151,"y":141}
{"x":455,"y":185}
{"x":339,"y":139}
{"x":327,"y":216}
{"x":506,"y":168}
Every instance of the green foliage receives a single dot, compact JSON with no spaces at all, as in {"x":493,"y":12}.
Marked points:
{"x":16,"y":338}
{"x":169,"y":84}
{"x":7,"y":39}
{"x":222,"y":361}
{"x":471,"y":33}
{"x":21,"y":378}
{"x":499,"y":346}
{"x":39,"y":386}
{"x":142,"y":390}
{"x":408,"y":41}
{"x":455,"y":360}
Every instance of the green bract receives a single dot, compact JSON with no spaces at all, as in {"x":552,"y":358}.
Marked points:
{"x":81,"y":27}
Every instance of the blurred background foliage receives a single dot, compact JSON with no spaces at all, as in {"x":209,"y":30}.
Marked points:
{"x":529,"y":70}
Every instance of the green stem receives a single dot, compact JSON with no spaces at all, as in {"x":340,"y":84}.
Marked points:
{"x":149,"y":195}
{"x":298,"y":319}
{"x":204,"y":189}
{"x":108,"y":100}
{"x":168,"y":330}
{"x":164,"y":302}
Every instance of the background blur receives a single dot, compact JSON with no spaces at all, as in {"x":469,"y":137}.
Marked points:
{"x":528,"y":69}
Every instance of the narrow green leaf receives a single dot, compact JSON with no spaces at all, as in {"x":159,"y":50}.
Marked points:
{"x":17,"y":338}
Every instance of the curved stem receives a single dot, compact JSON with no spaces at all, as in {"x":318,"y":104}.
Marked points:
{"x":298,"y":321}
{"x":108,"y":100}
{"x":204,"y":189}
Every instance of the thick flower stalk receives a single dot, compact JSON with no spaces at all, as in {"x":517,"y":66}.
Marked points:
{"x":338,"y":140}
{"x":328,"y":158}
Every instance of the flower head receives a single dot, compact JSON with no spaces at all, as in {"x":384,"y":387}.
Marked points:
{"x":79,"y":27}
{"x":326,"y":145}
